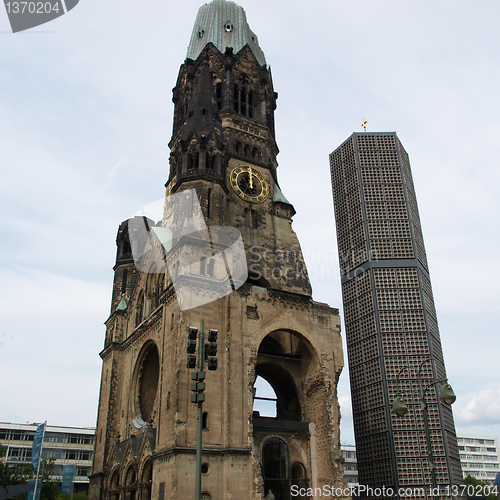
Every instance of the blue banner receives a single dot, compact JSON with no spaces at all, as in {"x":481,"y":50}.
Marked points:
{"x":67,"y":479}
{"x":37,"y":446}
{"x":31,"y":494}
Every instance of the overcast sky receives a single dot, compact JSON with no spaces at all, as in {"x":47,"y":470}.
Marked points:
{"x":85,"y":118}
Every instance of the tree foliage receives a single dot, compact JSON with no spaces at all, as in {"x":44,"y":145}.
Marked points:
{"x":76,"y":496}
{"x":479,"y":486}
{"x":10,"y":475}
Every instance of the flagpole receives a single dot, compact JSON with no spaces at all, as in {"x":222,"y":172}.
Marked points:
{"x":73,"y":482}
{"x":39,"y":461}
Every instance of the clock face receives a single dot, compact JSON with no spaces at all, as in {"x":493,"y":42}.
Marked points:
{"x":249,"y":184}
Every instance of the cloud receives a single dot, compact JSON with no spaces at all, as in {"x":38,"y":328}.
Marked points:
{"x":346,"y":405}
{"x":483,"y":409}
{"x":40,"y":293}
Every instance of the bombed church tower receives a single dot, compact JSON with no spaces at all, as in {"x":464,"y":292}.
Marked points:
{"x":224,"y":255}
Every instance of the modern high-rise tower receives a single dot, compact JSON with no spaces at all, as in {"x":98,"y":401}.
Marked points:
{"x":223,"y":252}
{"x":390,"y":319}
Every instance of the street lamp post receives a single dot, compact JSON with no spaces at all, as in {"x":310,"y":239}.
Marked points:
{"x":446,"y":395}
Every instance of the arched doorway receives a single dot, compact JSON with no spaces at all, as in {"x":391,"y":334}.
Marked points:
{"x":275,"y":468}
{"x":278,"y":475}
{"x":114,"y":490}
{"x":130,"y":484}
{"x":146,"y":481}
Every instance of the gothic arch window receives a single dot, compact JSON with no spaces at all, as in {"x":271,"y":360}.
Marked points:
{"x":130,"y":484}
{"x":203,"y":266}
{"x":160,"y":280}
{"x":209,"y":204}
{"x":275,"y":468}
{"x":152,"y":290}
{"x":146,"y":481}
{"x":124,"y":282}
{"x":243,"y":101}
{"x":205,"y":421}
{"x":115,"y":486}
{"x":246,"y":151}
{"x":265,"y":399}
{"x":255,"y":154}
{"x":236,"y":99}
{"x":156,"y":294}
{"x":210,"y":161}
{"x":250,"y":104}
{"x":251,"y":218}
{"x":147,"y":376}
{"x":193,"y":160}
{"x":238,"y":148}
{"x":126,"y":246}
{"x":139,"y":314}
{"x":298,"y":479}
{"x":243,"y":98}
{"x":218,"y":94}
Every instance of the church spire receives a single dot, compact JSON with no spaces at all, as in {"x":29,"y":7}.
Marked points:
{"x":225,"y":25}
{"x":224,"y":100}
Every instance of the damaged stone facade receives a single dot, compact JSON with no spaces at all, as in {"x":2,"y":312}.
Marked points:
{"x":268,"y":326}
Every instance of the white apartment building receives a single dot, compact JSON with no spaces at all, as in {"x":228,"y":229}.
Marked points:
{"x":479,"y":456}
{"x":68,"y":445}
{"x":350,"y":464}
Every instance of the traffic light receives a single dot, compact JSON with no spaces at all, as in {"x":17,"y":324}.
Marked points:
{"x":191,"y":363}
{"x":211,"y":349}
{"x":197,"y":398}
{"x":191,"y":347}
{"x":198,"y":386}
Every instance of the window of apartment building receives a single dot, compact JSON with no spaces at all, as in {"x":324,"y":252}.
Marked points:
{"x":80,"y":439}
{"x":58,"y":470}
{"x":82,"y":471}
{"x":55,"y":437}
{"x":16,"y":435}
{"x":56,"y":453}
{"x":78,"y":455}
{"x":19,"y":454}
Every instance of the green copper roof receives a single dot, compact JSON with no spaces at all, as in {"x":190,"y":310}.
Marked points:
{"x":122,"y":306}
{"x":225,"y":25}
{"x":279,"y":196}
